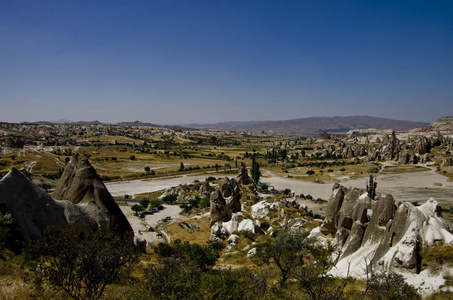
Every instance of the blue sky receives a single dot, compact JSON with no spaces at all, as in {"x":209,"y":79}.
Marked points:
{"x":176,"y":62}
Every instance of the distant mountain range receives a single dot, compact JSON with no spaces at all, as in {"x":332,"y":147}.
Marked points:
{"x":304,"y":126}
{"x":314,"y":125}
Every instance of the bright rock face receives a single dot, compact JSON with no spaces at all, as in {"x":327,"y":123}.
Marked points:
{"x":379,"y":232}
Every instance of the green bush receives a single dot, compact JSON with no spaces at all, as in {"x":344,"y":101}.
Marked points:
{"x":205,"y":202}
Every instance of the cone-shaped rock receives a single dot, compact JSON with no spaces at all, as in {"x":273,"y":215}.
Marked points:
{"x":80,"y":184}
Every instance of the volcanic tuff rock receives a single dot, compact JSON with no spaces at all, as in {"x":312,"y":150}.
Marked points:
{"x":33,"y":209}
{"x":225,"y":200}
{"x":80,"y":184}
{"x":411,"y":151}
{"x":386,"y":235}
{"x":243,"y":177}
{"x":206,"y":189}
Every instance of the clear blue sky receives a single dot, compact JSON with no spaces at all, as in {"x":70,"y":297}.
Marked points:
{"x":175,"y":62}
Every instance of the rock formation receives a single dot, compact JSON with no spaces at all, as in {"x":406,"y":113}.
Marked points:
{"x":388,"y":236}
{"x":86,"y":202}
{"x":80,"y":184}
{"x":206,"y":189}
{"x":243,"y":177}
{"x":33,"y":209}
{"x":225,"y":200}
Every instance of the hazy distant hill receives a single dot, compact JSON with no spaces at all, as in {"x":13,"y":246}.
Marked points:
{"x":442,"y":125}
{"x":315,"y":125}
{"x":137,"y":124}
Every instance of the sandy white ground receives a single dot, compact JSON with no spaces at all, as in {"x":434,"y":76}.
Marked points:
{"x":140,"y":225}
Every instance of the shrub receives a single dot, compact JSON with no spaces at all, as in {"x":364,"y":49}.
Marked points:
{"x":310,"y":172}
{"x":205,"y":202}
{"x":391,"y":286}
{"x":79,"y":262}
{"x":373,"y":170}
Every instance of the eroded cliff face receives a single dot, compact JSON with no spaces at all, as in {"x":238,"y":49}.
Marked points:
{"x":379,"y":232}
{"x":80,"y":184}
{"x":82,"y":199}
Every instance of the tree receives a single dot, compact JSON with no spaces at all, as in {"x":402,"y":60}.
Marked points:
{"x":132,"y":157}
{"x":147,"y":169}
{"x":313,"y":275}
{"x":137,"y":208}
{"x":80,"y":262}
{"x":390,"y":285}
{"x":255,"y":170}
{"x":286,"y":251}
{"x":371,"y":187}
{"x":181,"y":167}
{"x":144,"y":203}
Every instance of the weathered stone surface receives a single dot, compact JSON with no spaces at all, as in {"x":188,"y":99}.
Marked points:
{"x":33,"y":209}
{"x":388,"y":236}
{"x":243,"y":177}
{"x":225,"y":200}
{"x":333,"y":209}
{"x":206,"y":188}
{"x":354,"y":240}
{"x":80,"y":184}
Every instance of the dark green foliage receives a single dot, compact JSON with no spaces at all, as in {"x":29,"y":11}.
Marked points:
{"x":178,"y":273}
{"x":181,"y":167}
{"x":132,"y":157}
{"x":265,"y":225}
{"x":205,"y":202}
{"x":286,"y":252}
{"x":241,"y":283}
{"x":313,"y":277}
{"x":9,"y":237}
{"x":170,"y":198}
{"x":144,"y":203}
{"x":371,"y":187}
{"x":79,"y":261}
{"x":155,"y":203}
{"x":137,"y":208}
{"x":373,"y":170}
{"x":255,"y":171}
{"x":391,"y":286}
{"x":202,"y":256}
{"x":310,"y":172}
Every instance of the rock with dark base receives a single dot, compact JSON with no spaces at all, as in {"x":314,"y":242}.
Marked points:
{"x":80,"y":184}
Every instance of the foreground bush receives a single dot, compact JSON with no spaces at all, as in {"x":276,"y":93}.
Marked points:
{"x":81,"y":263}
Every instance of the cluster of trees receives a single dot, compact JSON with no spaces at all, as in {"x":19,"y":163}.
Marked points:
{"x":195,"y":203}
{"x":146,"y":204}
{"x":273,"y":155}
